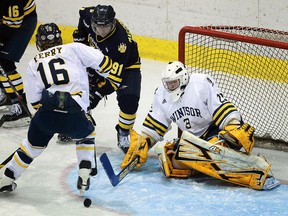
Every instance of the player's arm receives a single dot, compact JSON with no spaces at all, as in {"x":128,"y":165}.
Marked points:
{"x":228,"y":119}
{"x":33,"y":92}
{"x":81,"y":34}
{"x":12,"y":18}
{"x":153,"y":129}
{"x":107,"y":86}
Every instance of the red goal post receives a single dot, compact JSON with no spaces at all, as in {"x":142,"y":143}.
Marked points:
{"x":250,"y":66}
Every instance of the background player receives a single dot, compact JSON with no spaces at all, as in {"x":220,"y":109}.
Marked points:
{"x":195,"y":104}
{"x":99,"y":28}
{"x":58,"y":85}
{"x":18,"y":21}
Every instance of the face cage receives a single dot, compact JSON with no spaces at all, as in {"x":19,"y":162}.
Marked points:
{"x":43,"y":45}
{"x":94,"y":26}
{"x":166,"y":86}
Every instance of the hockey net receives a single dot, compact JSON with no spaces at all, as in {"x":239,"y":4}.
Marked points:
{"x":250,"y":66}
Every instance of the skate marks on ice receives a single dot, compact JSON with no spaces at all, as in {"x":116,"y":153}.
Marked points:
{"x":146,"y":191}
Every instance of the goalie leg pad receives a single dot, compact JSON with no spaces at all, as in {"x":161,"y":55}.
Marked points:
{"x":169,"y":166}
{"x":222,"y":163}
{"x":139,"y":146}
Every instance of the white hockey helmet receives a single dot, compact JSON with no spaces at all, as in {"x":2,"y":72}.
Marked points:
{"x":175,"y":78}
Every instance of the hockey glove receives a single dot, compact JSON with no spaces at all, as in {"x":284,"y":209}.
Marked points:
{"x":79,"y":37}
{"x":139,"y":146}
{"x":239,"y":136}
{"x":95,"y":80}
{"x":94,"y":98}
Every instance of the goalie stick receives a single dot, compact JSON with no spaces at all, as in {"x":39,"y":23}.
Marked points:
{"x":116,"y":179}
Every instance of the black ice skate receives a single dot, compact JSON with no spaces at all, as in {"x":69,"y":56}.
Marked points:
{"x":17,"y":112}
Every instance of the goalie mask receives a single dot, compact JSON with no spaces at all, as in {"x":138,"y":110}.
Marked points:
{"x":175,"y":78}
{"x":103,"y":20}
{"x":48,"y":35}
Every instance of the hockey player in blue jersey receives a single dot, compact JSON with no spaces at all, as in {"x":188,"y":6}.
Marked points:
{"x":99,"y":28}
{"x":58,"y":87}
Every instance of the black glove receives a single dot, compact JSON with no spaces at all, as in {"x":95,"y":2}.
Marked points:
{"x":94,"y":77}
{"x":94,"y":98}
{"x":79,"y":37}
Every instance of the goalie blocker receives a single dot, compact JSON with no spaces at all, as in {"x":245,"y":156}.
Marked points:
{"x":193,"y":153}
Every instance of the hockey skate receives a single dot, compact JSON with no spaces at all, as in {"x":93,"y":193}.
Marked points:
{"x":5,"y":101}
{"x":3,"y":97}
{"x":7,"y":183}
{"x":83,"y":182}
{"x":17,"y":115}
{"x":123,"y":139}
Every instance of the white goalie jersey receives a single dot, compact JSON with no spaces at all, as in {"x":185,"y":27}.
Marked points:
{"x":63,"y":68}
{"x":201,"y":107}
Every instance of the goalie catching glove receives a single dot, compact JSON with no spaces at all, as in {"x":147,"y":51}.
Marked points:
{"x":238,"y":137}
{"x":139,"y":146}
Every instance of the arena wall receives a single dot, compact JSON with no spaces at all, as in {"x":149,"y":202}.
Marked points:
{"x":155,"y":23}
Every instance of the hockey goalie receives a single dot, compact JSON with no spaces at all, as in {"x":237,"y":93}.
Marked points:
{"x":215,"y":140}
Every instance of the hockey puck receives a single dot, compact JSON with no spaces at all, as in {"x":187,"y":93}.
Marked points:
{"x":87,"y":202}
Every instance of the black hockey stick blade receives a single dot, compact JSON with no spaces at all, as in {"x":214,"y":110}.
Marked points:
{"x":116,"y":179}
{"x":7,"y":159}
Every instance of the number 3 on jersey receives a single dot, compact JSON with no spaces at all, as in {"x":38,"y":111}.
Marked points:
{"x":59,"y":75}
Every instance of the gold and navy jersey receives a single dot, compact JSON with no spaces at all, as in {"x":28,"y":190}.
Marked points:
{"x":201,"y":107}
{"x":118,"y":45}
{"x":13,"y":12}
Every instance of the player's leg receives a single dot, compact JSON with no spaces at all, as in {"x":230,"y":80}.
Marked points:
{"x":80,"y":127}
{"x":17,"y":109}
{"x":128,"y":97}
{"x":12,"y":50}
{"x":4,"y":99}
{"x":31,"y":147}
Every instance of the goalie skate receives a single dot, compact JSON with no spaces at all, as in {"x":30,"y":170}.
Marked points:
{"x":270,"y":183}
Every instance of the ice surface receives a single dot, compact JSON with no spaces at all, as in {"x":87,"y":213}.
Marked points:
{"x":48,"y":187}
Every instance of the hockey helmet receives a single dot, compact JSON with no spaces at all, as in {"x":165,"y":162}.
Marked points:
{"x":103,"y":19}
{"x":175,"y":78}
{"x":103,"y":15}
{"x":48,"y":35}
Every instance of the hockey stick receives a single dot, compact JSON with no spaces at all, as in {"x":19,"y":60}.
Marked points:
{"x":116,"y":179}
{"x":7,"y":159}
{"x":20,"y":98}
